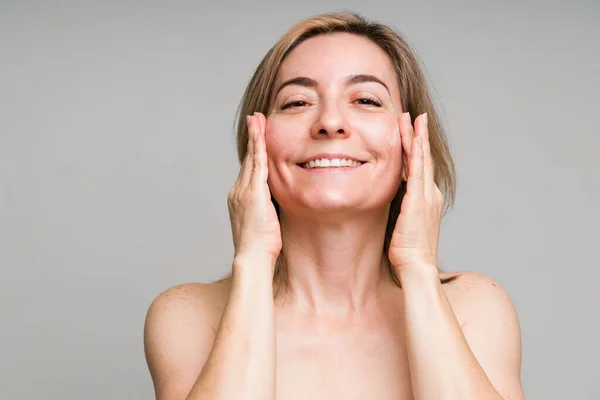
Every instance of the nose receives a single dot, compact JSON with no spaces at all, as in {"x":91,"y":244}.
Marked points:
{"x":330,"y":122}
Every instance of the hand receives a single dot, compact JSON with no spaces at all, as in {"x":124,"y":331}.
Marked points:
{"x":254,"y":223}
{"x":415,"y":238}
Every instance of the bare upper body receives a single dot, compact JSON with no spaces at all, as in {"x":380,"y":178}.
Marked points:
{"x":347,"y":356}
{"x":334,"y":145}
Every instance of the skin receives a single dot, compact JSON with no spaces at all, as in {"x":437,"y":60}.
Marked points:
{"x":332,"y":232}
{"x":341,"y":328}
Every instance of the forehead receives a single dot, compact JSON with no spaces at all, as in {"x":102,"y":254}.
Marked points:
{"x":332,"y":57}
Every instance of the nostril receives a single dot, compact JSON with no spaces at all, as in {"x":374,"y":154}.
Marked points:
{"x":324,"y":131}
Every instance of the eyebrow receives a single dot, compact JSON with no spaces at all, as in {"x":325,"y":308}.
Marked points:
{"x":351,"y":80}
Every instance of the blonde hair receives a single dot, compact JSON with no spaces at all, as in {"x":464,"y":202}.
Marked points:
{"x":414,"y":96}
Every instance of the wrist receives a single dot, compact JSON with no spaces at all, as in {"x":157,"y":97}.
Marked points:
{"x":253,"y":264}
{"x":252,"y":284}
{"x":420,"y":272}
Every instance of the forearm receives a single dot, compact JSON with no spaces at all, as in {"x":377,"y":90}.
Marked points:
{"x":242,"y":362}
{"x":442,"y":365}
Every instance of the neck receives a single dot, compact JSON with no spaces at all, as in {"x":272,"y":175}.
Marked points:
{"x":335,"y":267}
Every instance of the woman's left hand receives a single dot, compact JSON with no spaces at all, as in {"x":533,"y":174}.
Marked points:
{"x":415,"y":238}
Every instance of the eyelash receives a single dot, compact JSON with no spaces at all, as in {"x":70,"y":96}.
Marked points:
{"x":373,"y":102}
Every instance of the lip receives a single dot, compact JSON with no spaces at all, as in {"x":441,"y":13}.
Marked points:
{"x":336,"y":170}
{"x":330,"y":156}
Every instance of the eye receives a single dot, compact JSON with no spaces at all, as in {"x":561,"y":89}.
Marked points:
{"x":369,"y":101}
{"x":294,"y":104}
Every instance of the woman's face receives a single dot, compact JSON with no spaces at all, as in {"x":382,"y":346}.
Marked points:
{"x":335,"y":96}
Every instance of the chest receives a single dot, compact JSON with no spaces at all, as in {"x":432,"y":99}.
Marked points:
{"x":367,"y":365}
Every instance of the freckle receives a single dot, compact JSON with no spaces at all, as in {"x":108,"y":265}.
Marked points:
{"x":493,"y":284}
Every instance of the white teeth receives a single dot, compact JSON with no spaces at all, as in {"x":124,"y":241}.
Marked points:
{"x":331,"y":163}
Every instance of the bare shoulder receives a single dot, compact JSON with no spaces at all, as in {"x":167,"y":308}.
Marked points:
{"x":470,"y":291}
{"x":179,"y":332}
{"x":202,"y":300}
{"x":490,"y":324}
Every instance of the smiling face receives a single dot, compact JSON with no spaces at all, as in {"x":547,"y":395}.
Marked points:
{"x":334,"y":94}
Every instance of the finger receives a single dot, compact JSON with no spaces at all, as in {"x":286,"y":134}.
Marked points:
{"x":249,"y":159}
{"x":406,"y":135}
{"x":414,"y":186}
{"x":427,"y":160}
{"x":265,"y":156}
{"x":259,"y":175}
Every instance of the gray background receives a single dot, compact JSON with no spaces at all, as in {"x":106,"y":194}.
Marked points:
{"x":117,"y":152}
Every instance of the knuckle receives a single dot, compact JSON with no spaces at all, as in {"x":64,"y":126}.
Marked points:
{"x":232,"y":192}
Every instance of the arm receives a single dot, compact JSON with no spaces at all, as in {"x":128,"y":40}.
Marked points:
{"x":240,"y":364}
{"x":444,"y":362}
{"x":188,"y":360}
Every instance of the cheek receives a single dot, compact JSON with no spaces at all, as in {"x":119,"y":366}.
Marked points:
{"x":386,"y":144}
{"x":280,"y":141}
{"x":381,"y":136}
{"x":272,"y":138}
{"x":394,"y":142}
{"x":393,"y":138}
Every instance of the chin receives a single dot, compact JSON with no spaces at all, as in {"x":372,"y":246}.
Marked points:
{"x":326,"y":206}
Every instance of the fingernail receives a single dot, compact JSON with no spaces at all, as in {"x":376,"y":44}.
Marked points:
{"x":407,"y":117}
{"x":248,"y":121}
{"x":425,"y":120}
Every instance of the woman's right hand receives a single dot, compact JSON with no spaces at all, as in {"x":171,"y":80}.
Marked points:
{"x":254,"y":222}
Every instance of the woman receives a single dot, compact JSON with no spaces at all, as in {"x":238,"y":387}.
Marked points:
{"x":335,"y":291}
